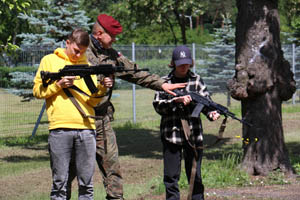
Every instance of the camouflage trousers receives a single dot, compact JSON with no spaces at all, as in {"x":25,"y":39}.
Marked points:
{"x":107,"y":157}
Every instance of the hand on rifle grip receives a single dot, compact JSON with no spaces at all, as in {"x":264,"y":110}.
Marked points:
{"x":66,"y":81}
{"x":183,"y":99}
{"x":108,"y":81}
{"x":214,"y":115}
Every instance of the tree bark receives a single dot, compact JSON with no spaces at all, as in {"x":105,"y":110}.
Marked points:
{"x":181,"y":21}
{"x":199,"y":23}
{"x":262,"y":80}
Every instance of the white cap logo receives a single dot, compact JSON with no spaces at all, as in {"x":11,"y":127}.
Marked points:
{"x":182,"y":54}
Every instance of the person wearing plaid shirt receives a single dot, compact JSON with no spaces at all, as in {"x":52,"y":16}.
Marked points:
{"x":173,"y":110}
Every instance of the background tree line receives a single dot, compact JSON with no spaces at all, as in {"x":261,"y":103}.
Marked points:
{"x":144,"y":21}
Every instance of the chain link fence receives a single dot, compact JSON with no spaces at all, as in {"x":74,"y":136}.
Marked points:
{"x":20,"y":112}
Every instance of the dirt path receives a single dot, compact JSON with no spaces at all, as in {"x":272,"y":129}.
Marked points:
{"x":273,"y":192}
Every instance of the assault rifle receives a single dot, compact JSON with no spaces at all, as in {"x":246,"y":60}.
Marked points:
{"x":202,"y":102}
{"x":84,"y":71}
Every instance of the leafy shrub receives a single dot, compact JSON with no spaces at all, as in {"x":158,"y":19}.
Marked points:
{"x":4,"y":76}
{"x":19,"y":77}
{"x":22,"y":79}
{"x":198,"y":37}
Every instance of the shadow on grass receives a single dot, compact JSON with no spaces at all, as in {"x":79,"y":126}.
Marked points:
{"x":25,"y":142}
{"x":293,"y":148}
{"x":37,"y":143}
{"x":146,"y":143}
{"x":17,"y":159}
{"x":139,"y":142}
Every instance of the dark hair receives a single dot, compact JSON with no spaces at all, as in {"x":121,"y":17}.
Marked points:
{"x":172,"y":64}
{"x":80,"y":37}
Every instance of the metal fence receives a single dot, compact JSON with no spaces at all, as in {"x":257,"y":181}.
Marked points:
{"x":215,"y":64}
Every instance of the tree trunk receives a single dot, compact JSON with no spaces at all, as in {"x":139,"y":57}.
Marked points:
{"x":172,"y":31}
{"x":181,"y":21}
{"x":262,"y":80}
{"x":199,"y":23}
{"x":183,"y":30}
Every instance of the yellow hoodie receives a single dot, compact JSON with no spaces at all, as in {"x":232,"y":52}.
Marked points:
{"x":61,"y":111}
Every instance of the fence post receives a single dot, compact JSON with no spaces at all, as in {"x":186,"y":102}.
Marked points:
{"x":294,"y":70}
{"x":133,"y":88}
{"x":38,"y":120}
{"x":194,"y":57}
{"x":228,"y":99}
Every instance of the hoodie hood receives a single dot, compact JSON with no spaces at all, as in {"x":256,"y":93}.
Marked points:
{"x":60,"y":52}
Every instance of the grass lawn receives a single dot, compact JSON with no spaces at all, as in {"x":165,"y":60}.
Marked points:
{"x":24,"y":163}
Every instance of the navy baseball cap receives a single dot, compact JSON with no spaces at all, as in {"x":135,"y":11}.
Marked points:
{"x":182,"y":55}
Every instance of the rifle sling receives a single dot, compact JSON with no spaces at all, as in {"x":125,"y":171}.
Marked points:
{"x":187,"y":134}
{"x":76,"y":104}
{"x":221,"y":133}
{"x":74,"y":87}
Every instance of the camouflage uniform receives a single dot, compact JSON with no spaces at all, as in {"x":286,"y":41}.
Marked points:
{"x":107,"y":149}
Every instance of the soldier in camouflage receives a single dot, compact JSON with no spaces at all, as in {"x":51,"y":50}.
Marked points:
{"x":104,"y":32}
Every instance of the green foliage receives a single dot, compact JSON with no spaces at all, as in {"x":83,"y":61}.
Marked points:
{"x":9,"y":26}
{"x":24,"y":141}
{"x":295,"y":159}
{"x":198,"y":37}
{"x":94,"y":7}
{"x":290,"y":109}
{"x":22,"y":80}
{"x":144,"y":35}
{"x":166,"y":14}
{"x":8,"y":15}
{"x":6,"y":51}
{"x":277,"y":177}
{"x":231,"y":174}
{"x":54,"y":22}
{"x":19,"y":77}
{"x":290,"y":17}
{"x":219,"y":64}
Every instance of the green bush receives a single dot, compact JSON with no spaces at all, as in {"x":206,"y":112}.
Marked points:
{"x":198,"y":37}
{"x":19,"y":77}
{"x":4,"y":76}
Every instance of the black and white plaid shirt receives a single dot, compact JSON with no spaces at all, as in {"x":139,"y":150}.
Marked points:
{"x":172,"y":112}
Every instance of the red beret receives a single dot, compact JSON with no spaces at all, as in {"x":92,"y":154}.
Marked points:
{"x":111,"y":25}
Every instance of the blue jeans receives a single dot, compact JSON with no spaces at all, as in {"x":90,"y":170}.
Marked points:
{"x":62,"y":143}
{"x":172,"y":155}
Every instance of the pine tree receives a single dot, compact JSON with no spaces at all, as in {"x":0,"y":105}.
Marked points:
{"x":54,"y":22}
{"x":220,"y":57}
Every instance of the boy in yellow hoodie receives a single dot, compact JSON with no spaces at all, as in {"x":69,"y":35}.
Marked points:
{"x":70,"y":131}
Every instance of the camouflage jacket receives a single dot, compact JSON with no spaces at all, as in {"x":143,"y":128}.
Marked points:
{"x":111,"y":56}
